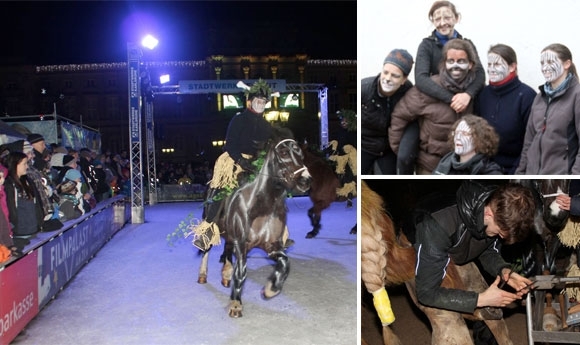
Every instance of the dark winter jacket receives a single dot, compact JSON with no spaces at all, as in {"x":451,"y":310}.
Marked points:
{"x":246,"y":132}
{"x":376,"y":115}
{"x":33,"y":220}
{"x":427,"y":63}
{"x":552,"y":134}
{"x":477,"y":165}
{"x":454,"y":233}
{"x":507,"y":108}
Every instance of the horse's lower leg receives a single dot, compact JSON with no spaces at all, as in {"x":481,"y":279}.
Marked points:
{"x":278,"y":277}
{"x":202,"y":276}
{"x":314,"y":221}
{"x":448,"y":327}
{"x":227,"y":268}
{"x":240,"y":271}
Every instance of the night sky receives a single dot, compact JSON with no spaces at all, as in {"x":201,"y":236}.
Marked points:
{"x":51,"y":32}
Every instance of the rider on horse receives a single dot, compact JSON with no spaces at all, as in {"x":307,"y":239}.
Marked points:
{"x":246,"y":132}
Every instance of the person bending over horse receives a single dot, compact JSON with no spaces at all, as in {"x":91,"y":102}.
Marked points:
{"x":247,"y":132}
{"x":468,"y":230}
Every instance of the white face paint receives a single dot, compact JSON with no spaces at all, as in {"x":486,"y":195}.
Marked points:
{"x":457,"y":64}
{"x":552,"y":66}
{"x":391,"y":79}
{"x":497,"y":67}
{"x":444,"y":21}
{"x":463,"y":139}
{"x":258,"y":105}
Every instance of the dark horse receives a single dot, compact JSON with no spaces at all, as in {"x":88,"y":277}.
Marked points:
{"x":254,"y":215}
{"x":323,"y":187}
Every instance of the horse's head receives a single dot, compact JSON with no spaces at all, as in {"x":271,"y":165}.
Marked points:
{"x":289,"y":165}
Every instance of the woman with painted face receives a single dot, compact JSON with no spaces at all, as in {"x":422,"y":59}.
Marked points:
{"x":552,"y":133}
{"x":505,"y":103}
{"x":444,"y":16}
{"x":474,"y":142}
{"x":379,"y":95}
{"x":435,"y":116}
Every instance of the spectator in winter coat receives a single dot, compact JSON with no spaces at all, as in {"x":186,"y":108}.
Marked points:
{"x":25,"y":214}
{"x":553,"y":131}
{"x":505,"y":103}
{"x":434,"y":116}
{"x":379,"y":95}
{"x":474,"y":142}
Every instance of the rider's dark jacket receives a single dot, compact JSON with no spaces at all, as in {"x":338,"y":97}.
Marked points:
{"x":246,"y":131}
{"x":456,"y":233}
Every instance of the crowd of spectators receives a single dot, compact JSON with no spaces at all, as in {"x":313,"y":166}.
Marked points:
{"x":42,"y":185}
{"x":183,"y":173}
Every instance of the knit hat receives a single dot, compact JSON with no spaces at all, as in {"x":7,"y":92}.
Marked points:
{"x":26,"y":147}
{"x":400,"y":58}
{"x":34,"y":138}
{"x":72,"y":174}
{"x":67,"y":160}
{"x":56,"y":159}
{"x":67,"y":186}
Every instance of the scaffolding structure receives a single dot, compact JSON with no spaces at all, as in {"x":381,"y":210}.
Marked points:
{"x":141,"y":95}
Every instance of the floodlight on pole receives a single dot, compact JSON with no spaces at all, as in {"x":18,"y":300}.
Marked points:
{"x":136,"y":100}
{"x":149,"y":42}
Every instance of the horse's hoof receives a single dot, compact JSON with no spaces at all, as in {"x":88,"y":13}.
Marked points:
{"x":353,"y":230}
{"x":311,"y":234}
{"x":268,"y":293}
{"x":226,"y":283}
{"x":202,"y":279}
{"x":235,"y":309}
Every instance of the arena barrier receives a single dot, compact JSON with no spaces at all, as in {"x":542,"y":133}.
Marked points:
{"x":176,"y":192}
{"x":51,"y":260}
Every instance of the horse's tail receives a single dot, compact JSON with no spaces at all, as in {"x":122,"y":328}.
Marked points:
{"x":379,"y":246}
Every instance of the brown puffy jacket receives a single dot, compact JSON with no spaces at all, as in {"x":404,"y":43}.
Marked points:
{"x":435,"y":121}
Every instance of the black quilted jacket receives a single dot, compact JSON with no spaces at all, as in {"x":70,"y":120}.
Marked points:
{"x":454,"y":233}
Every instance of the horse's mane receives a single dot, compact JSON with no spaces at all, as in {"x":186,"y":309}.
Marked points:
{"x":281,"y":133}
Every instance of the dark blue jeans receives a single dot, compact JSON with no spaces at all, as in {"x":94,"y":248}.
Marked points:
{"x":408,"y":149}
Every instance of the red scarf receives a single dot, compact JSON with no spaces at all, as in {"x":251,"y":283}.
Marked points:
{"x":506,"y":80}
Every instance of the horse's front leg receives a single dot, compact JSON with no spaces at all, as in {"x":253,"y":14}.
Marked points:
{"x":240,"y":271}
{"x":202,"y":275}
{"x":278,"y":277}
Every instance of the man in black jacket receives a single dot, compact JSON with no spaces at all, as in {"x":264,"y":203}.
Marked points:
{"x":467,"y":231}
{"x":246,"y":134}
{"x":471,"y":230}
{"x":379,"y":94}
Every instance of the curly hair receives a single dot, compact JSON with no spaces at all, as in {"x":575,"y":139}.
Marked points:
{"x":485,"y":138}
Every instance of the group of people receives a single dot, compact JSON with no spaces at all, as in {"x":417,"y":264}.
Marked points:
{"x":451,"y":122}
{"x":43,"y":185}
